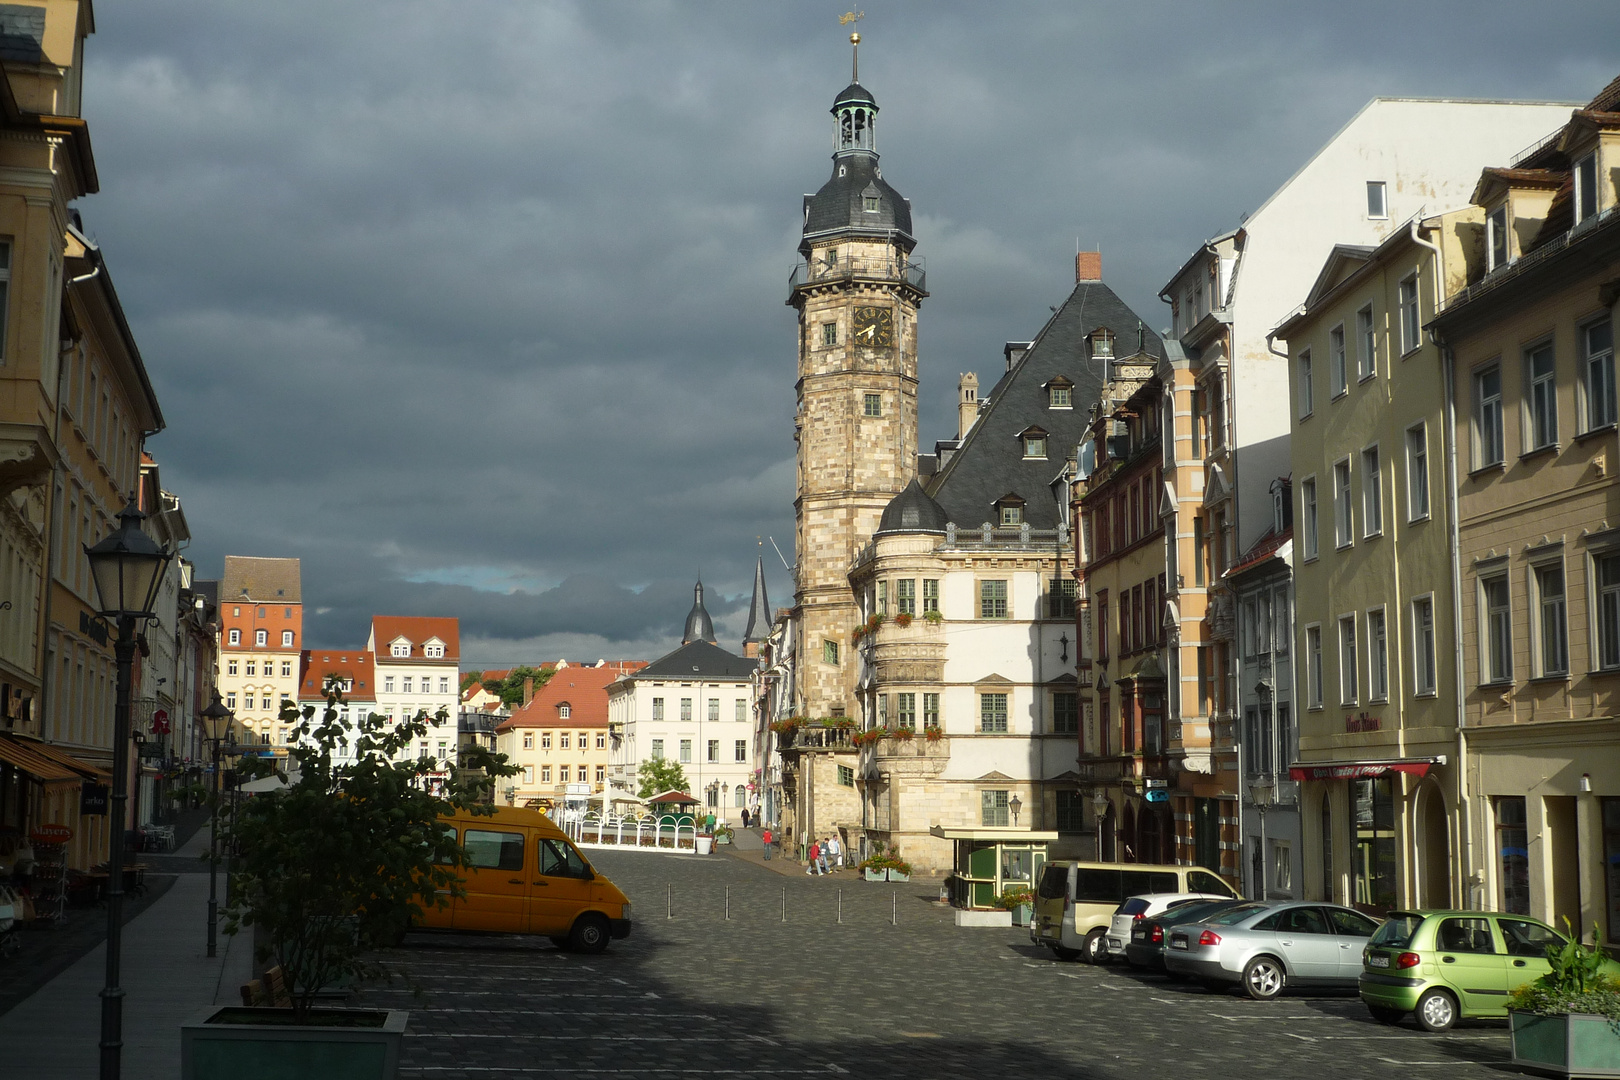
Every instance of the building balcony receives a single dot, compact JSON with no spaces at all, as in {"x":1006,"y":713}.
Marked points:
{"x":847,"y":267}
{"x":800,"y":739}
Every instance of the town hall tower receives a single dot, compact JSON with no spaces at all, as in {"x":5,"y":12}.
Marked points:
{"x":857,"y":293}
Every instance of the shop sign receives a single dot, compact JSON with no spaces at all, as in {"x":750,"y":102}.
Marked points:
{"x":93,"y":798}
{"x":160,"y":722}
{"x":1157,"y":794}
{"x":1364,"y":722}
{"x":1361,"y":770}
{"x":51,"y":834}
{"x":92,"y":628}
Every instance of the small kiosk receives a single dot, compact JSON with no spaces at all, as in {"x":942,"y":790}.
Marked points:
{"x":987,"y":861}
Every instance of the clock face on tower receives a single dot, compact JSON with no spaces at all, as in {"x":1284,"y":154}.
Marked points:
{"x":874,"y":326}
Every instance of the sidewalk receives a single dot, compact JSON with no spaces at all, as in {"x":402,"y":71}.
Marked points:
{"x":166,"y":976}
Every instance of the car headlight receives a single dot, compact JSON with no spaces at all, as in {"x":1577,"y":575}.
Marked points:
{"x":626,"y":914}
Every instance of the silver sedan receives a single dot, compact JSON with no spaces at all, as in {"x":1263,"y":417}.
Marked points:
{"x":1264,"y":947}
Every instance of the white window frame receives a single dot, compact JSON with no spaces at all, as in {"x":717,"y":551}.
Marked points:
{"x":1344,"y":526}
{"x":1539,"y":412}
{"x":1417,"y":472}
{"x":1378,"y":200}
{"x":1488,"y":621}
{"x":1377,"y":655}
{"x":1586,"y":185}
{"x":1339,"y":362}
{"x":286,"y":639}
{"x":1313,"y":666}
{"x":1367,"y":340}
{"x":236,"y":637}
{"x":1349,"y":661}
{"x":1592,"y":395}
{"x":1309,"y":519}
{"x":1488,"y":439}
{"x":1372,"y":492}
{"x":1604,"y":605}
{"x":1496,"y":229}
{"x":1539,"y":612}
{"x":261,"y":638}
{"x":1304,"y":387}
{"x":1411,"y":321}
{"x":1425,"y":655}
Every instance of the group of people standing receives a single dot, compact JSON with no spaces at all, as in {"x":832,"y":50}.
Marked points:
{"x":825,"y":856}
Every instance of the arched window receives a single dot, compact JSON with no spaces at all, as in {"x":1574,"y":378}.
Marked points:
{"x":740,"y":794}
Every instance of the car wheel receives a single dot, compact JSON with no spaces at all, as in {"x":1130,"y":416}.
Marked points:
{"x":590,"y":933}
{"x":1263,"y":977}
{"x":1095,"y":950}
{"x":1063,"y":952}
{"x":1385,"y":1015}
{"x":1436,"y":1011}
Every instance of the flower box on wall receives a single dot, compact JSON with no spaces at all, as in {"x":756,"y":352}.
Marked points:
{"x":1570,"y":1044}
{"x":239,"y":1043}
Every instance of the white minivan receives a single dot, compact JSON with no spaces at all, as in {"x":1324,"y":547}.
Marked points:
{"x":1076,"y":901}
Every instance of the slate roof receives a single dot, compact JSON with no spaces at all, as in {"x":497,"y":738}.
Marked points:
{"x":698,"y":660}
{"x":261,"y":580}
{"x":990,"y":463}
{"x":22,"y":32}
{"x":912,"y":511}
{"x":699,"y":627}
{"x":854,"y":92}
{"x":759,"y":608}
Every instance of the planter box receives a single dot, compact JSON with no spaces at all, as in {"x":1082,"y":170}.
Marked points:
{"x":1575,"y":1044}
{"x":237,"y":1043}
{"x":895,"y":875}
{"x":967,"y":917}
{"x":1021,"y":914}
{"x":875,"y":875}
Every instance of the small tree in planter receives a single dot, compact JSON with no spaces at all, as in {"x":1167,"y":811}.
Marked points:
{"x":342,"y":860}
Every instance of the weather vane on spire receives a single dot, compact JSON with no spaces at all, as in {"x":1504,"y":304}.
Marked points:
{"x":855,"y":41}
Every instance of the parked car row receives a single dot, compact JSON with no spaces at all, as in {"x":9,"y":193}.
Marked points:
{"x":1438,"y":966}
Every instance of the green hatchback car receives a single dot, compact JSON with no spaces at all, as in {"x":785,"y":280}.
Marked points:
{"x":1445,"y":966}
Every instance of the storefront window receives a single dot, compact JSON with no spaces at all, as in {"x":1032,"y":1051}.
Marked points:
{"x":1611,"y":862}
{"x":1374,"y":847}
{"x":1513,"y":854}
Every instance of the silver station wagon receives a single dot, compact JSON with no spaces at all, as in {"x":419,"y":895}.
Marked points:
{"x":1265,"y":947}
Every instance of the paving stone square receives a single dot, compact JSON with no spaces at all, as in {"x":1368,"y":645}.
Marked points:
{"x":894,"y":990}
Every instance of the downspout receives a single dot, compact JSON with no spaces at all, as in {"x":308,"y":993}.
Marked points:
{"x":1465,"y":830}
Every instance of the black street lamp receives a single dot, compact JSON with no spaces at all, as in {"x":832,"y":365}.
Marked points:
{"x":127,"y":567}
{"x":217,"y":720}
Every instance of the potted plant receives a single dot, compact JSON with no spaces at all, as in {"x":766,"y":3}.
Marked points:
{"x":901,"y":734}
{"x":884,"y":864}
{"x":1018,"y":899}
{"x":934,"y":616}
{"x":933,"y":733}
{"x":1568,"y":1021}
{"x":328,"y":869}
{"x":902,"y":619}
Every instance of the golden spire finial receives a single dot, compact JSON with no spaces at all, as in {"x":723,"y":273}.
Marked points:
{"x":854,"y":41}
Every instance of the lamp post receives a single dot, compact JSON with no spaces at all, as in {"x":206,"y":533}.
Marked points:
{"x":127,"y":567}
{"x":1099,"y":802}
{"x":1015,"y":804}
{"x":217,"y":720}
{"x":1261,"y":790}
{"x":138,"y":737}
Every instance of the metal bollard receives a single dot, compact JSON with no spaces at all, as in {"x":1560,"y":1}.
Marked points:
{"x":728,"y":903}
{"x":840,"y":905}
{"x":670,"y":899}
{"x":784,"y":903}
{"x":894,"y":909}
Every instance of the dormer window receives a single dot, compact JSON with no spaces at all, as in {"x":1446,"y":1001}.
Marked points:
{"x":869,"y":204}
{"x":564,"y":711}
{"x":434,"y":651}
{"x":1060,"y":394}
{"x":1102,"y":342}
{"x":1034,"y":440}
{"x":1010,"y":510}
{"x":400,"y":648}
{"x":1586,"y":188}
{"x":1496,"y":238}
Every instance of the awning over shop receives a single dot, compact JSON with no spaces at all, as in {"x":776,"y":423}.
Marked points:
{"x":78,"y":765}
{"x":26,"y":757}
{"x":1003,"y":836}
{"x":1364,"y":770}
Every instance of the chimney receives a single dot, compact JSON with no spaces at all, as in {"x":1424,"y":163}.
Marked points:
{"x":1088,"y":266}
{"x":751,"y":650}
{"x":967,"y":403}
{"x":528,"y":690}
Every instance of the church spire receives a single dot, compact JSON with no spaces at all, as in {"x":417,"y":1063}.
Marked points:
{"x":759,"y":613}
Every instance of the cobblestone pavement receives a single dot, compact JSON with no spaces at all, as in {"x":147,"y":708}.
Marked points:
{"x":895,"y":991}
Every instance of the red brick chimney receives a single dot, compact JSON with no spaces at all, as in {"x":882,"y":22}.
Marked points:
{"x":528,"y":691}
{"x":1088,"y":266}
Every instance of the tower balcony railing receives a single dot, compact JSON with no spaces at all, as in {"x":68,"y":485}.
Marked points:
{"x":848,"y":267}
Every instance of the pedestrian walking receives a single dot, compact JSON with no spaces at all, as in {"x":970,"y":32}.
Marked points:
{"x":835,"y":851}
{"x":814,"y":866}
{"x":766,"y":837}
{"x":821,"y":858}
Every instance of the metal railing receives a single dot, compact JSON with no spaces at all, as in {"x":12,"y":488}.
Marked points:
{"x":848,"y":267}
{"x":668,"y":832}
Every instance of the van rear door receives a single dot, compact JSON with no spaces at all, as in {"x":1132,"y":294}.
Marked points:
{"x":496,"y":880}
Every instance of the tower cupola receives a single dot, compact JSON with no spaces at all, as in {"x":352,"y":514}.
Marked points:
{"x":855,"y":112}
{"x":699,"y":627}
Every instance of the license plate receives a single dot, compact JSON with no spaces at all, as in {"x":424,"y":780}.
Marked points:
{"x":1138,"y":935}
{"x":1178,"y":941}
{"x":1376,"y":960}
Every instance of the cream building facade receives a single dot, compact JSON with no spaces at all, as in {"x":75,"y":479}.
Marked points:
{"x":559,"y":737}
{"x":261,"y":643}
{"x":1529,"y":361}
{"x":417,"y":671}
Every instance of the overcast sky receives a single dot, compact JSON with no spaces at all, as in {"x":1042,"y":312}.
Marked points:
{"x":478,"y":308}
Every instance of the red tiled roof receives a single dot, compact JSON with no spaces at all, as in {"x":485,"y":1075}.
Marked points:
{"x":582,"y":689}
{"x":1545,"y":178}
{"x":416,"y":629}
{"x":1263,"y":549}
{"x":355,"y":664}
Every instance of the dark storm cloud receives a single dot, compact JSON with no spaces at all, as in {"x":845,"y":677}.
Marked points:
{"x":478,"y":308}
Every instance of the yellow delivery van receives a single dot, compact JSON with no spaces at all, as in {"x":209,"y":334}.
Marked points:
{"x":524,"y":876}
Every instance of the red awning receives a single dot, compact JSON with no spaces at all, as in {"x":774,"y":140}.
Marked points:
{"x":1364,"y":770}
